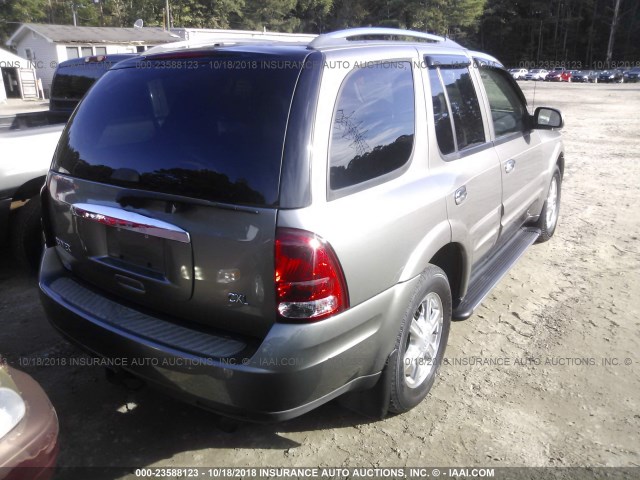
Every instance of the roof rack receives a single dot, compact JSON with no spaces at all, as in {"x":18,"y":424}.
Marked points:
{"x":342,"y":36}
{"x":225,"y":39}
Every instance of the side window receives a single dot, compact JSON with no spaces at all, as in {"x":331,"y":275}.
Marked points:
{"x":442,"y":117}
{"x":72,"y":52}
{"x":453,"y":88}
{"x":373,"y":124}
{"x":508,"y":111}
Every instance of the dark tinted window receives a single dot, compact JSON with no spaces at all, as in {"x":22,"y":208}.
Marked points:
{"x":463,"y":106}
{"x":373,"y":124}
{"x":507,"y":108}
{"x":74,"y":78}
{"x":189,"y":128}
{"x":73,"y":82}
{"x":442,"y":117}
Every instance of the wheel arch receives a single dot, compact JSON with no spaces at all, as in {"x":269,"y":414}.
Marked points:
{"x":30,"y":189}
{"x":452,"y":260}
{"x":560,"y":164}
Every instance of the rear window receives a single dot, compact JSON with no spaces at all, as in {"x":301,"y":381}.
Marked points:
{"x":208,"y":128}
{"x":71,"y":83}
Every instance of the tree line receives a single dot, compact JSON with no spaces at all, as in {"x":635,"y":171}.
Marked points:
{"x":527,"y":33}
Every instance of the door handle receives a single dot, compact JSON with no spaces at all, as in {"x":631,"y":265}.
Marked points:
{"x":509,"y":166}
{"x":460,"y":195}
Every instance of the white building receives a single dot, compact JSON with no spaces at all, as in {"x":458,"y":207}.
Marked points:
{"x":18,"y":78}
{"x":196,"y":35}
{"x":47,"y":45}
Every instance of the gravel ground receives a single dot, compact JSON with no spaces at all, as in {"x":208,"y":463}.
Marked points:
{"x":546,"y":373}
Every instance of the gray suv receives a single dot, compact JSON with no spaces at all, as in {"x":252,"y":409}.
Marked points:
{"x":260,"y":228}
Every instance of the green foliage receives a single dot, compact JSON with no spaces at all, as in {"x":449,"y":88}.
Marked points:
{"x":517,"y":32}
{"x":274,"y":15}
{"x":313,"y":15}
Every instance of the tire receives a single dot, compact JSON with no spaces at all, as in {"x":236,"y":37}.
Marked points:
{"x":26,"y":235}
{"x":548,"y":220}
{"x":418,"y":357}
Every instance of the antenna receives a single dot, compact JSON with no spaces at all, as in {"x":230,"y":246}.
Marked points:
{"x":138,"y":23}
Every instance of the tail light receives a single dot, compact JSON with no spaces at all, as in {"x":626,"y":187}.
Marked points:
{"x":310,"y":284}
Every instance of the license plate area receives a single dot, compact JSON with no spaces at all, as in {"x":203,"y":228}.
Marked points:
{"x":137,"y":250}
{"x":136,"y":265}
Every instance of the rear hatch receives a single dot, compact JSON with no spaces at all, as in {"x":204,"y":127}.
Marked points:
{"x":165,"y":184}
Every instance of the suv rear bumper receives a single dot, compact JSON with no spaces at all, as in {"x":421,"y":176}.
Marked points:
{"x":295,"y":369}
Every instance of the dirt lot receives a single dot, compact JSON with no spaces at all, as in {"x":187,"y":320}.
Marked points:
{"x":546,"y":373}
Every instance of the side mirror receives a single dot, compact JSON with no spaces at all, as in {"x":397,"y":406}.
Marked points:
{"x":546,"y":118}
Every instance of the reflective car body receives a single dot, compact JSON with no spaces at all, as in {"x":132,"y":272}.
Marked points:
{"x":247,"y":224}
{"x":536,"y":74}
{"x":518,"y":73}
{"x":632,"y":75}
{"x":29,"y":446}
{"x":585,"y":76}
{"x":558,"y":75}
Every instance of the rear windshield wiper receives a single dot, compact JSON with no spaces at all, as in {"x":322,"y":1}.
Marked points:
{"x":175,"y":203}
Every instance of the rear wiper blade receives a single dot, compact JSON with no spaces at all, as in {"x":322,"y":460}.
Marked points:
{"x":136,"y":198}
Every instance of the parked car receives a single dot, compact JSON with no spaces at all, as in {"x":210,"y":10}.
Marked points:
{"x":28,"y":428}
{"x":73,"y":78}
{"x":28,"y":141}
{"x":558,"y":75}
{"x":585,"y":76}
{"x":518,"y":73}
{"x":632,"y":75}
{"x":274,"y":235}
{"x":26,"y":156}
{"x":536,"y":74}
{"x":611,"y":76}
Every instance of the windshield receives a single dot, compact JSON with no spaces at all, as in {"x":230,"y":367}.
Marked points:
{"x":209,"y":128}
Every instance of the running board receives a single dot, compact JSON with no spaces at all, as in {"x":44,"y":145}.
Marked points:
{"x":488,"y":276}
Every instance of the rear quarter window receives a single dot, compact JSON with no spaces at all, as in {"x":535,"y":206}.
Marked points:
{"x":373,"y":124}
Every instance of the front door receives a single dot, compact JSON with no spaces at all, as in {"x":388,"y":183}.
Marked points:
{"x":517,"y":146}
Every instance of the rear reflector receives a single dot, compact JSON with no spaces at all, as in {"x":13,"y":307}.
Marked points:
{"x":310,"y":284}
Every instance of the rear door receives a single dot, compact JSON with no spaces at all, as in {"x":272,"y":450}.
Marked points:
{"x":466,"y":157}
{"x":165,"y":187}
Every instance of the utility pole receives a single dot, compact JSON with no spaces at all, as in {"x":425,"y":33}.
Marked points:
{"x":612,"y":33}
{"x":168,"y":15}
{"x":99,"y":3}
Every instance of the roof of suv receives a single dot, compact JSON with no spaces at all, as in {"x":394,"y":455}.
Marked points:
{"x":355,"y":37}
{"x":340,"y":38}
